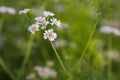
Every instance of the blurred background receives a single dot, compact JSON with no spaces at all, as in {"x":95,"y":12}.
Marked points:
{"x":101,"y":60}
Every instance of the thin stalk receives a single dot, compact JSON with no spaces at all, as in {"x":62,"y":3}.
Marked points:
{"x":109,"y":57}
{"x":88,"y":42}
{"x":28,"y":18}
{"x":26,"y":57}
{"x":1,"y":25}
{"x":7,"y":69}
{"x":62,"y":65}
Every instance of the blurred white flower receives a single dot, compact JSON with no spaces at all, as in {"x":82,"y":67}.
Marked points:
{"x":46,"y":72}
{"x":106,"y":29}
{"x":30,"y":76}
{"x":60,"y":43}
{"x":114,"y":55}
{"x":24,"y":11}
{"x":56,"y":22}
{"x":33,"y":28}
{"x":109,"y":29}
{"x":42,"y":21}
{"x":116,"y":32}
{"x":9,"y":10}
{"x":50,"y":35}
{"x":64,"y":26}
{"x":47,"y":13}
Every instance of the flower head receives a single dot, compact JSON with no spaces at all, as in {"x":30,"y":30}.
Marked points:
{"x":47,"y":13}
{"x":56,"y":22}
{"x":50,"y":35}
{"x":33,"y":28}
{"x":24,"y":11}
{"x":42,"y":21}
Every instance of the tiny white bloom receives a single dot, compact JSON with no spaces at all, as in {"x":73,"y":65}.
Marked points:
{"x":24,"y":11}
{"x":50,"y":35}
{"x":42,"y":21}
{"x":56,"y":22}
{"x":47,"y":13}
{"x":44,"y":24}
{"x":33,"y":28}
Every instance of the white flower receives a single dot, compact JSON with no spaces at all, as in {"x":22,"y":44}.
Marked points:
{"x":24,"y":11}
{"x":50,"y":35}
{"x":56,"y":22}
{"x":106,"y":29}
{"x":44,"y":24}
{"x":109,"y":29}
{"x":46,"y":72}
{"x":3,"y":9}
{"x":33,"y":28}
{"x":42,"y":21}
{"x":116,"y":32}
{"x":9,"y":10}
{"x":47,"y":13}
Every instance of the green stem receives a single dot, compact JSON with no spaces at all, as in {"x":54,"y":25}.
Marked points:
{"x":1,"y":25}
{"x":62,"y":65}
{"x":7,"y":69}
{"x":26,"y":58}
{"x":89,"y":40}
{"x":109,"y":57}
{"x":28,"y":18}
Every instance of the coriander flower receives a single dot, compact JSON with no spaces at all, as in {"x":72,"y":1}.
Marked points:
{"x":44,"y":24}
{"x":24,"y":11}
{"x":50,"y":35}
{"x":47,"y":13}
{"x":42,"y":21}
{"x":33,"y":28}
{"x":56,"y":22}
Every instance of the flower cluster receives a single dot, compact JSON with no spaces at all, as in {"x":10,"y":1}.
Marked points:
{"x":42,"y":22}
